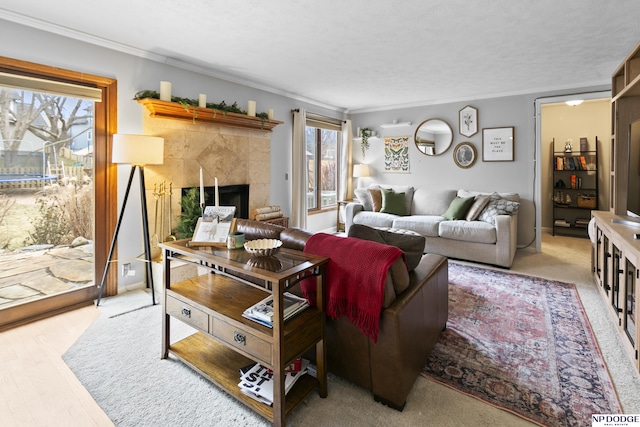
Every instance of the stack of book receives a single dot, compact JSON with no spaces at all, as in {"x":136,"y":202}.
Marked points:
{"x":267,"y":212}
{"x":582,"y":222}
{"x":561,"y":223}
{"x":256,"y":381}
{"x":262,"y":311}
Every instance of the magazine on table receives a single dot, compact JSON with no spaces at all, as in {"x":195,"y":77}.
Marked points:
{"x":262,"y":311}
{"x":256,"y":381}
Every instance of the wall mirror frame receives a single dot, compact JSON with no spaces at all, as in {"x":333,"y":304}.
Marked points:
{"x":465,"y":155}
{"x":433,"y":137}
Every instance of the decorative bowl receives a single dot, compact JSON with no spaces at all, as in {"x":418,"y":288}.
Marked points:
{"x":263,"y":247}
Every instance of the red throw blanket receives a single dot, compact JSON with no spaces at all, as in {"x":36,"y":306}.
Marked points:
{"x":354,"y":278}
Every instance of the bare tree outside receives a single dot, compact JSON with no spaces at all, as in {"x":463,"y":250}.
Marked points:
{"x":46,"y":193}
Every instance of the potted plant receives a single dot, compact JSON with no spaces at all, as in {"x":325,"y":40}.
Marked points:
{"x":365,"y":133}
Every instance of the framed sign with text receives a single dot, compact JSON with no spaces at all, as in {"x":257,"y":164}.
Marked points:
{"x":497,"y":144}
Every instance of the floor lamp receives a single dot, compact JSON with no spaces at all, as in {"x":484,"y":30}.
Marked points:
{"x":138,"y":151}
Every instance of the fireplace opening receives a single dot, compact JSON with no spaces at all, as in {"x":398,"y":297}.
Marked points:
{"x":229,"y":195}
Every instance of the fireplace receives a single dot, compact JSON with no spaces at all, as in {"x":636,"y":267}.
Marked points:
{"x":229,"y":195}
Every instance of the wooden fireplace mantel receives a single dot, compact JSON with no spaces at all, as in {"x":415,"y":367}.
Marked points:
{"x":175,"y":110}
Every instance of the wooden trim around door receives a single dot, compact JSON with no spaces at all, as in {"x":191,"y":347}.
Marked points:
{"x":105,"y":192}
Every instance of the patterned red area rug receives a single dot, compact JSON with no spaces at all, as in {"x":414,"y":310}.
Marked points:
{"x":522,"y":344}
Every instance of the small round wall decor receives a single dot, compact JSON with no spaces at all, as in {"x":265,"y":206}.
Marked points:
{"x":465,"y":155}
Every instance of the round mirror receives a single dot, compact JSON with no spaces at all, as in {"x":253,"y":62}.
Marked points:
{"x":433,"y":137}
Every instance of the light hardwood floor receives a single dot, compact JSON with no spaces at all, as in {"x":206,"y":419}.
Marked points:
{"x":36,"y":386}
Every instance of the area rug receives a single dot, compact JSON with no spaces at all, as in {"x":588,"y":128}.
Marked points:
{"x":522,"y":344}
{"x":118,"y":361}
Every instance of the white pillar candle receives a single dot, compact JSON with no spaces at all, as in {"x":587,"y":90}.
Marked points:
{"x":217,"y":195}
{"x":201,"y":188}
{"x":251,"y":108}
{"x":202,"y":100}
{"x":165,"y":91}
{"x":270,"y":113}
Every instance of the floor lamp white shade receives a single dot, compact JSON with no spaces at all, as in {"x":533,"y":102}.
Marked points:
{"x":137,"y":149}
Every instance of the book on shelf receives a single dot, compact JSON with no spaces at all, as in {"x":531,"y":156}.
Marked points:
{"x":256,"y":381}
{"x":262,"y":311}
{"x":582,"y":222}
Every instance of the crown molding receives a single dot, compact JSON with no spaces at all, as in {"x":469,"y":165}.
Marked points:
{"x":141,"y":53}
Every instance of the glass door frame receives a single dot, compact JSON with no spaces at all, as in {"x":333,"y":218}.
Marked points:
{"x":105,"y":193}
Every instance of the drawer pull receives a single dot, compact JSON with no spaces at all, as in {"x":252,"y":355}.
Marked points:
{"x":239,"y":338}
{"x":186,"y":312}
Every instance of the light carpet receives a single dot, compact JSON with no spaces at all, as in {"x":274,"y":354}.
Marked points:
{"x":524,"y":344}
{"x":118,"y":361}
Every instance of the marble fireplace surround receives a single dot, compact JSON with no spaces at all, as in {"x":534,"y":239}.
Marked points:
{"x":233,"y":155}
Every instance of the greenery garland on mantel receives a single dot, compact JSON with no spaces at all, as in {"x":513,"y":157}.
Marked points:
{"x":186,"y":102}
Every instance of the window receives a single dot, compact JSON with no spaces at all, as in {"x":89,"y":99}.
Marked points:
{"x":323,"y":145}
{"x":104,"y":180}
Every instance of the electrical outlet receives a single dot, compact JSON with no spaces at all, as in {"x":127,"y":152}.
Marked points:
{"x":126,"y":269}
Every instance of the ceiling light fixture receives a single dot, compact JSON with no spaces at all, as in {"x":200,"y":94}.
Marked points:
{"x":574,"y":102}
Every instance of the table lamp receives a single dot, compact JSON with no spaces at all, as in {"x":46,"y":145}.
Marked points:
{"x":138,"y":151}
{"x":360,"y":171}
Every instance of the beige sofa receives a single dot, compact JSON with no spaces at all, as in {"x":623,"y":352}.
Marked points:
{"x":486,"y":239}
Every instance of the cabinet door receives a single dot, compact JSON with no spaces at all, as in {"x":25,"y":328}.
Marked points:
{"x":617,"y":278}
{"x":606,"y":266}
{"x":630,"y":307}
{"x":598,"y":256}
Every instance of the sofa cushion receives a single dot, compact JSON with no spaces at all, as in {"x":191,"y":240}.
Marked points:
{"x":410,"y":243}
{"x":468,"y":231}
{"x":406,"y":189}
{"x":375,"y":219}
{"x":498,"y":206}
{"x":392,"y":202}
{"x":431,"y":202}
{"x":376,"y":199}
{"x":479,"y":203}
{"x":458,"y":208}
{"x":364,"y":197}
{"x":425,"y":225}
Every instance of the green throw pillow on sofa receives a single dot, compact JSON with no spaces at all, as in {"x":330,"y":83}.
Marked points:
{"x":393,"y":203}
{"x":458,"y":208}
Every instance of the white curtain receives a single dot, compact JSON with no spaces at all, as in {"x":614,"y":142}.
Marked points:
{"x":345,"y":186}
{"x":300,"y":186}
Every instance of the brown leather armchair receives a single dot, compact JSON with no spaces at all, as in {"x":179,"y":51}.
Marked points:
{"x":410,"y":324}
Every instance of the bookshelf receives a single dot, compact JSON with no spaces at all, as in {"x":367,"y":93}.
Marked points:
{"x":575,"y":190}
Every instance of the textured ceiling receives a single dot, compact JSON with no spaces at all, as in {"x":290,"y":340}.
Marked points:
{"x":362,"y":54}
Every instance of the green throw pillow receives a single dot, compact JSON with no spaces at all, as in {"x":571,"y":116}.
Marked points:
{"x":458,"y":208}
{"x":392,"y":203}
